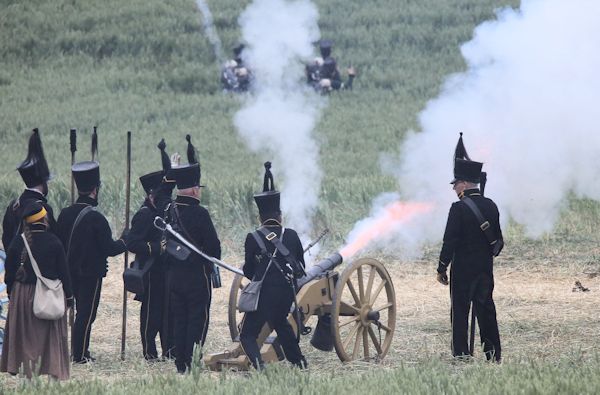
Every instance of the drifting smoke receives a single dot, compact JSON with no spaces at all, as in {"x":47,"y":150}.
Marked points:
{"x":209,"y":29}
{"x":528,"y":108}
{"x":278,"y":118}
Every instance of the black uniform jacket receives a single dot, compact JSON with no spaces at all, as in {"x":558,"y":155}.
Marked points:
{"x":92,"y":241}
{"x":199,"y":227}
{"x":255,"y":265}
{"x":49,"y":255}
{"x":11,"y":224}
{"x":144,"y":238}
{"x":465,"y":245}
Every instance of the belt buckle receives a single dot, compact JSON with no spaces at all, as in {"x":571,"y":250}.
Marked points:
{"x":485,"y":225}
{"x":271,"y":236}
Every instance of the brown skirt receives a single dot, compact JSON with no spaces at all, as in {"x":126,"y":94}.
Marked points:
{"x":33,"y":346}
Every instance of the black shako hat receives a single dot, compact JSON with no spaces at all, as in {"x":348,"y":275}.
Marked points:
{"x":268,"y":201}
{"x":34,"y":169}
{"x":188,"y":176}
{"x":151,"y":181}
{"x":325,"y":48}
{"x":464,"y":168}
{"x":87,"y":173}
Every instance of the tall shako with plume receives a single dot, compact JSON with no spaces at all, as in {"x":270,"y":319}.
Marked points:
{"x":465,"y":169}
{"x":151,"y":181}
{"x":188,"y":176}
{"x":34,"y":169}
{"x":87,"y":173}
{"x":268,"y":200}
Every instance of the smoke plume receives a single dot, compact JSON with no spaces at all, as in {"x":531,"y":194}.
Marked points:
{"x":209,"y":29}
{"x":527,"y":107}
{"x":279,"y":115}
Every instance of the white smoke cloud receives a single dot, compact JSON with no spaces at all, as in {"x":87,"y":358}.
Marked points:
{"x":209,"y":29}
{"x":528,"y":108}
{"x":278,"y":117}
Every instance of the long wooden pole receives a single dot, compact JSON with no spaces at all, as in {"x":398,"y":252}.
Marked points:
{"x":126,"y":264}
{"x":73,"y":142}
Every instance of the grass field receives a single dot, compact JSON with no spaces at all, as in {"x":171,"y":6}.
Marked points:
{"x":146,"y":66}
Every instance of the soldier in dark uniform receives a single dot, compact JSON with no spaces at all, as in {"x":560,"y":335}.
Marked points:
{"x":34,"y":172}
{"x":277,"y":293}
{"x":147,"y":243}
{"x":88,"y":243}
{"x":190,"y":278}
{"x":469,"y":252}
{"x":324,"y":74}
{"x":235,"y":76}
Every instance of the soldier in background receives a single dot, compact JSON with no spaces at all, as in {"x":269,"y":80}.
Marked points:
{"x":470,"y":252}
{"x":35,"y":174}
{"x":324,"y":75}
{"x":277,"y":293}
{"x":87,"y":238}
{"x":148,"y":245}
{"x":190,"y":277}
{"x":235,"y":76}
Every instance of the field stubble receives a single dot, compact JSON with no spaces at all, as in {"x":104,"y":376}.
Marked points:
{"x":542,"y":321}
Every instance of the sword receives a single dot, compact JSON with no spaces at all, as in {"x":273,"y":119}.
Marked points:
{"x":160,"y":224}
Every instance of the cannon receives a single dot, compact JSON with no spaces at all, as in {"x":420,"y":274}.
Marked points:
{"x":356,"y":310}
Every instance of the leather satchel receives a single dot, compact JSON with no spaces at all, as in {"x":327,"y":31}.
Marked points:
{"x":49,"y":296}
{"x":248,"y":301}
{"x":133,"y":276}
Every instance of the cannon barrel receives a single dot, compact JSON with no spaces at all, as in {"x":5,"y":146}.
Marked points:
{"x":320,"y":268}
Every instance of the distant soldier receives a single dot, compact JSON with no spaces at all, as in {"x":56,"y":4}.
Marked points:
{"x":277,"y":293}
{"x":324,"y":75}
{"x":190,"y":276}
{"x":471,"y":240}
{"x":87,"y":238}
{"x":34,"y":172}
{"x":235,"y":76}
{"x":148,"y":245}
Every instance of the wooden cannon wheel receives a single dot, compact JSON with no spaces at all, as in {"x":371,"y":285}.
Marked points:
{"x":234,"y":317}
{"x":363,"y":317}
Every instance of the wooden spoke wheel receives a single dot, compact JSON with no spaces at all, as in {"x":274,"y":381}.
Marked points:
{"x":363,"y":317}
{"x":234,"y":317}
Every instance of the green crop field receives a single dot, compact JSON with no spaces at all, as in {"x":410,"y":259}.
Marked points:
{"x":147,"y":66}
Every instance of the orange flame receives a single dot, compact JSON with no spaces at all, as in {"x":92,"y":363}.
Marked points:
{"x":393,"y":214}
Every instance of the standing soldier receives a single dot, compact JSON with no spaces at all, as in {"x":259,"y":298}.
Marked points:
{"x":277,"y":293}
{"x":87,"y":238}
{"x":146,"y":242}
{"x":34,"y":172}
{"x":471,"y":240}
{"x":190,"y":277}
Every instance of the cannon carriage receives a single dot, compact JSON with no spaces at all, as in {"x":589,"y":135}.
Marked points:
{"x":356,"y":310}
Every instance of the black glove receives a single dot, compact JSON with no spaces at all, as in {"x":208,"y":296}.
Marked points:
{"x":442,"y":278}
{"x":70,"y":303}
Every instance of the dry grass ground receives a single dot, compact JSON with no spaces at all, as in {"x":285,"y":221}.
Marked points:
{"x":540,"y":317}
